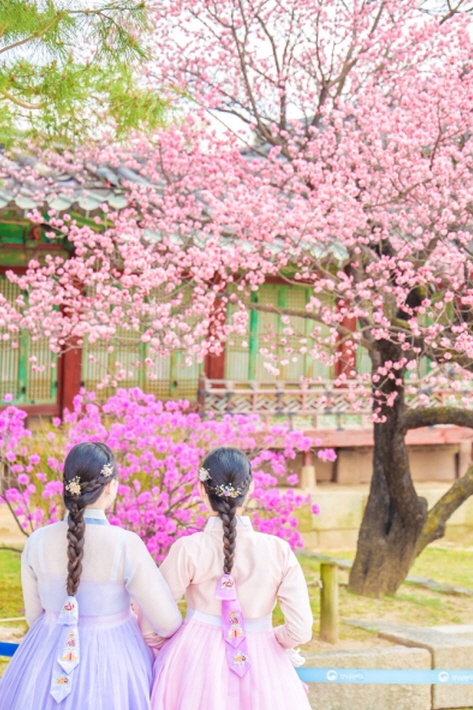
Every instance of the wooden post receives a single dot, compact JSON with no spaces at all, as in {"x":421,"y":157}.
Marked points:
{"x":69,"y":368}
{"x":346,"y":349}
{"x":308,"y":477}
{"x":202,"y":392}
{"x":329,"y":602}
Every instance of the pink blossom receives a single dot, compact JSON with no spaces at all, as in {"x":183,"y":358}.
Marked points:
{"x":378,"y":155}
{"x":326,"y":455}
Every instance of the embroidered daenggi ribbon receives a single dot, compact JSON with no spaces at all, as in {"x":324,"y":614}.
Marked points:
{"x":68,"y":655}
{"x":233,"y":626}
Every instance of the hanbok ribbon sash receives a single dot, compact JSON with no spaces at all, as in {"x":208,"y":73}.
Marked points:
{"x":233,"y":626}
{"x":68,"y":654}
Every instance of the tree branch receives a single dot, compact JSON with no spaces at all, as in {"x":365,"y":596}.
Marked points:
{"x":3,"y":490}
{"x":434,"y":526}
{"x":345,"y":332}
{"x":10,"y":549}
{"x":20,"y":102}
{"x":416,"y":418}
{"x":37,"y":35}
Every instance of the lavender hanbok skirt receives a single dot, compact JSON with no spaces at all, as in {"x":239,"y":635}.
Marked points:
{"x":114,"y":672}
{"x":191,"y":671}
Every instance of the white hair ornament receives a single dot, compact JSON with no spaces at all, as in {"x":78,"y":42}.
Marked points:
{"x":107,"y":470}
{"x":204,"y":475}
{"x":73,"y":487}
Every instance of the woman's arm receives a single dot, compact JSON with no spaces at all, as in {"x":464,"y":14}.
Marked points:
{"x":148,"y":589}
{"x":295,"y":605}
{"x":178,"y":569}
{"x":29,"y":583}
{"x":176,"y":572}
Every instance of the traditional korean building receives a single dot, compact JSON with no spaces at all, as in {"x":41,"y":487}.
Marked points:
{"x":236,"y":381}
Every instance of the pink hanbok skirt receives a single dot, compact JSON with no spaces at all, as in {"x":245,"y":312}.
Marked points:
{"x":191,"y":672}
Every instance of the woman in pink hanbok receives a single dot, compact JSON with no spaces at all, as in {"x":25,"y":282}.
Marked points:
{"x":84,"y":650}
{"x":227,"y":655}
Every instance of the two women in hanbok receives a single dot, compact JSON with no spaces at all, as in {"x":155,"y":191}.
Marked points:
{"x":87,"y":650}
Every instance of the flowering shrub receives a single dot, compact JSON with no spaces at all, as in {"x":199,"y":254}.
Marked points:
{"x":159,"y":447}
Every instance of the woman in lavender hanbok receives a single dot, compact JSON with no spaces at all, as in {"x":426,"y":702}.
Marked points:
{"x":227,"y":656}
{"x":84,"y":650}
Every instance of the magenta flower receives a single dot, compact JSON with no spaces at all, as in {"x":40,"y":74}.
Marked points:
{"x":159,"y":448}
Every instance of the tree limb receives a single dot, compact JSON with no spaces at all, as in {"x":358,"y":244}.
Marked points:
{"x":420,"y":417}
{"x":20,"y":102}
{"x":37,"y":35}
{"x":345,"y":332}
{"x":6,"y":463}
{"x":434,"y":526}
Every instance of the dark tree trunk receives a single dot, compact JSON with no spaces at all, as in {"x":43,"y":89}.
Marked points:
{"x":394,"y":514}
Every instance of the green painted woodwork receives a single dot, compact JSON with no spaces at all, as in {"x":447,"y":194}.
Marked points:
{"x":363,"y":360}
{"x":18,"y":245}
{"x":23,"y":368}
{"x":13,"y":233}
{"x":17,"y":376}
{"x":17,"y":232}
{"x":253,"y":343}
{"x":167,"y":378}
{"x":244,"y":362}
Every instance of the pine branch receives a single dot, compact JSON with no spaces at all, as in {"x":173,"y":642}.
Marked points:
{"x":19,"y":102}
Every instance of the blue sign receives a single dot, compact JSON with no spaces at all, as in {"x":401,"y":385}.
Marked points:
{"x":357,"y":675}
{"x":8,"y":649}
{"x":385,"y":677}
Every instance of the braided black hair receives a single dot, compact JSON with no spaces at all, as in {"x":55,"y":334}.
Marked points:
{"x":229,"y":472}
{"x":84,"y":482}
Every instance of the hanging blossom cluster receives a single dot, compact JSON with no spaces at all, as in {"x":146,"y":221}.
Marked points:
{"x":341,"y":161}
{"x":159,"y":448}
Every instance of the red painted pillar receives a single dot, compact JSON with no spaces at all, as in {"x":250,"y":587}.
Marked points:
{"x":346,"y":349}
{"x":69,"y":377}
{"x":214,"y":365}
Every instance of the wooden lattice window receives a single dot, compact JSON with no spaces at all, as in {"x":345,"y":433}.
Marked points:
{"x":28,"y":368}
{"x":168,"y":377}
{"x":243,"y":358}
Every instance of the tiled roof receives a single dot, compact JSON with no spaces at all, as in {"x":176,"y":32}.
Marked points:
{"x":103,"y":184}
{"x":63,"y":191}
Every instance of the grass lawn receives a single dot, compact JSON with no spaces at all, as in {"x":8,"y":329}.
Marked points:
{"x":411,"y":605}
{"x":11,"y":600}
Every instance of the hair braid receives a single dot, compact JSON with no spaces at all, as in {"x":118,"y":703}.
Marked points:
{"x":227,"y":468}
{"x":75,"y":547}
{"x":75,"y":534}
{"x":229,"y":523}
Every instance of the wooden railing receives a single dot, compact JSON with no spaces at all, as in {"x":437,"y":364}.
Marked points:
{"x":319,"y":403}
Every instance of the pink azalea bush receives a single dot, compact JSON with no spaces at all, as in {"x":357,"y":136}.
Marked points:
{"x":159,"y":448}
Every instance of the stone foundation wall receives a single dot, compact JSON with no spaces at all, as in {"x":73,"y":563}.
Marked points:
{"x":342,"y":507}
{"x":443,"y":462}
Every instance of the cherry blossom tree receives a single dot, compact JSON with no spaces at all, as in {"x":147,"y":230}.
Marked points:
{"x":326,"y":143}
